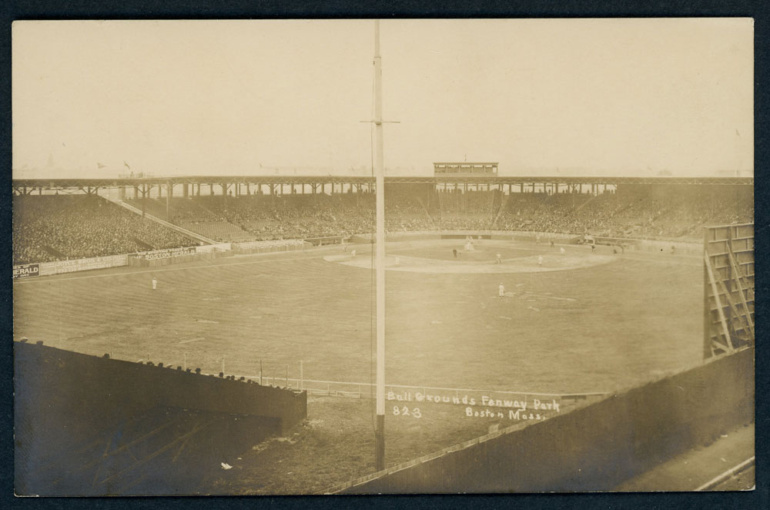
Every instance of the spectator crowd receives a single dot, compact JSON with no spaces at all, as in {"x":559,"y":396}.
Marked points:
{"x":47,"y":227}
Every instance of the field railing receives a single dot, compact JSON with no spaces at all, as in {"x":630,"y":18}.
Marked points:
{"x":400,"y":392}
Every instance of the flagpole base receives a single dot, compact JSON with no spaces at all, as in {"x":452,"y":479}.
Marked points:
{"x":379,"y":443}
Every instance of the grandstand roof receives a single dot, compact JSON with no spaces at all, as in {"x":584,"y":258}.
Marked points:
{"x":296,"y":179}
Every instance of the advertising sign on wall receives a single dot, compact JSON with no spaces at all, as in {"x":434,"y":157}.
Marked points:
{"x":71,"y":266}
{"x":170,"y":253}
{"x":26,"y":270}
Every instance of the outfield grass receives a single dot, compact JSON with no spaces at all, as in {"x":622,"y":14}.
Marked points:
{"x":583,"y":330}
{"x":591,"y":329}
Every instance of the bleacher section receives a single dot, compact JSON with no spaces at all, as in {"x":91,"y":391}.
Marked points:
{"x":48,"y":228}
{"x":221,"y":231}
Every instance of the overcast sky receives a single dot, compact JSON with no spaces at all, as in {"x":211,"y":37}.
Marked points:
{"x":577,"y":97}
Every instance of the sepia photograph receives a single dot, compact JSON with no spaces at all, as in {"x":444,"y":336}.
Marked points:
{"x":397,"y":256}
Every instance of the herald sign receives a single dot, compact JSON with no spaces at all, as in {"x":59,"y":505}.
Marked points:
{"x":26,"y":270}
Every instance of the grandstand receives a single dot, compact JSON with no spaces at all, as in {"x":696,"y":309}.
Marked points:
{"x":62,"y":227}
{"x":59,"y":227}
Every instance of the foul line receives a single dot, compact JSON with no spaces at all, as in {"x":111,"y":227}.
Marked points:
{"x":727,"y":474}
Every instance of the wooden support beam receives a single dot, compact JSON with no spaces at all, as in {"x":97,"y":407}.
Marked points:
{"x":144,"y":199}
{"x":708,"y":344}
{"x":158,"y":452}
{"x":738,"y":276}
{"x":716,"y":343}
{"x":720,"y":309}
{"x":733,"y":309}
{"x":126,"y":446}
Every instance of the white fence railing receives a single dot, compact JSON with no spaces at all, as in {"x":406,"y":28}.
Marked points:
{"x":411,"y":392}
{"x":159,"y":221}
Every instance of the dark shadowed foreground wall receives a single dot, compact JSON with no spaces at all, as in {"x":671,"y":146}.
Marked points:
{"x":64,"y":401}
{"x":593,"y":448}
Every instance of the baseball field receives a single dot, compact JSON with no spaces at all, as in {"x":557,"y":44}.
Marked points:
{"x":569,"y":322}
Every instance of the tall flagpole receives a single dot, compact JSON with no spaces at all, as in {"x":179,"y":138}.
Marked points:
{"x":379,"y":433}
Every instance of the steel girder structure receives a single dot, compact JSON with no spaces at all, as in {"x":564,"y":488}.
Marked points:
{"x":25,"y":186}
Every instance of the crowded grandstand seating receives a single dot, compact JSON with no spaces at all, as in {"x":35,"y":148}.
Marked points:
{"x":221,"y":231}
{"x":50,"y":227}
{"x":54,"y":227}
{"x":194,"y":214}
{"x":293,"y":216}
{"x":662,"y":213}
